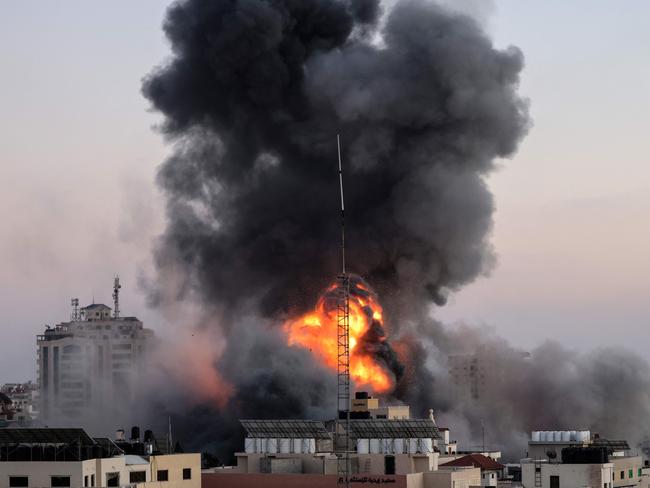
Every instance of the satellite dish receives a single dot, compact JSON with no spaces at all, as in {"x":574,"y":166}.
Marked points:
{"x":551,"y":454}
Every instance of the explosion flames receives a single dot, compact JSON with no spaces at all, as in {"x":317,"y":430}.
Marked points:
{"x":317,"y":331}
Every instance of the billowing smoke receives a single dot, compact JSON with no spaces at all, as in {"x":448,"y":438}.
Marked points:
{"x":253,"y":97}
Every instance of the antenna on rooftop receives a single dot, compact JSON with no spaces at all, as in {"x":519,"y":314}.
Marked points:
{"x":342,"y":432}
{"x":75,"y":309}
{"x":116,"y":297}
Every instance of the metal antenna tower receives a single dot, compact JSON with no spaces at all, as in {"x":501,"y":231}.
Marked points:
{"x":342,"y":433}
{"x":75,"y":309}
{"x":116,"y":297}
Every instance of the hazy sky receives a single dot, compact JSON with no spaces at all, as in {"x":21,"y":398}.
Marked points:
{"x":78,"y":157}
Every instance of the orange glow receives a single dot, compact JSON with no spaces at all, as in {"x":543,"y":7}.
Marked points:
{"x":317,"y":331}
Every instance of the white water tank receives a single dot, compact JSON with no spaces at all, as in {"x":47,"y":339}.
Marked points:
{"x":249,"y":445}
{"x":387,"y":446}
{"x":304,"y":445}
{"x":312,"y":446}
{"x":574,"y":435}
{"x":296,"y":446}
{"x":271,"y":446}
{"x":363,"y":446}
{"x":375,"y":446}
{"x":399,"y":446}
{"x":584,"y":436}
{"x":412,"y":446}
{"x":566,"y":436}
{"x":427,"y":445}
{"x":259,"y":445}
{"x":535,"y":436}
{"x":284,"y":446}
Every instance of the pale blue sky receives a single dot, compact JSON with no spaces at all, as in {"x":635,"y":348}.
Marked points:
{"x":77,"y":159}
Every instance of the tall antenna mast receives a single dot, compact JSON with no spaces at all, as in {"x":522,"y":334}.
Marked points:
{"x":338,"y":146}
{"x":116,"y":297}
{"x":342,"y":432}
{"x":75,"y":309}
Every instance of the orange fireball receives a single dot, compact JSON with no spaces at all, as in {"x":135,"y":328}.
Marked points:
{"x":317,"y":331}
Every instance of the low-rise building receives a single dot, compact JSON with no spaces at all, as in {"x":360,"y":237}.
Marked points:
{"x":578,"y":459}
{"x":37,"y":458}
{"x":491,"y":470}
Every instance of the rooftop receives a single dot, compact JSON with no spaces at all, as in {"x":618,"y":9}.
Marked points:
{"x":476,"y":461}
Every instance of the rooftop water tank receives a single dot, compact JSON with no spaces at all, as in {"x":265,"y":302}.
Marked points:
{"x":536,"y":435}
{"x":375,"y":446}
{"x":271,"y":446}
{"x":296,"y":446}
{"x":426,"y":445}
{"x":399,"y":446}
{"x":249,"y":445}
{"x":284,"y":446}
{"x":363,"y":446}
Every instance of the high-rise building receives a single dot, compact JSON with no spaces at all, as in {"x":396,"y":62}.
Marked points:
{"x":94,"y":360}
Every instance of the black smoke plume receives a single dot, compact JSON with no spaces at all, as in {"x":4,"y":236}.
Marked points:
{"x":252,"y":98}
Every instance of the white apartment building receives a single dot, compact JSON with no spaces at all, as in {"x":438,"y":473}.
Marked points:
{"x":93,"y":360}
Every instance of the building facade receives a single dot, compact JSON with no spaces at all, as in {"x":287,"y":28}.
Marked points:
{"x":92,"y":361}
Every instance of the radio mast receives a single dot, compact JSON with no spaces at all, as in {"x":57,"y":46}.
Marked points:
{"x":116,"y":297}
{"x":342,"y":425}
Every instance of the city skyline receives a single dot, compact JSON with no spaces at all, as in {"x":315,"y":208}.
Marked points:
{"x":79,"y":157}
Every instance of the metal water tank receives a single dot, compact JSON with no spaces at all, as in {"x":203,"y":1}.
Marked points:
{"x":574,"y":435}
{"x":271,"y":446}
{"x":399,"y":446}
{"x":557,"y":436}
{"x":249,"y":445}
{"x":260,"y":445}
{"x":304,"y":445}
{"x":412,"y":446}
{"x":566,"y":436}
{"x":375,"y":446}
{"x":312,"y":446}
{"x":284,"y":446}
{"x":363,"y":446}
{"x":536,"y":435}
{"x":296,"y":446}
{"x":387,"y":446}
{"x":427,"y":445}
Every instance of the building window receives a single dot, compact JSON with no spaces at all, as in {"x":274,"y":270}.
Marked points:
{"x":137,"y":477}
{"x":92,"y":480}
{"x":630,"y":473}
{"x":555,"y":482}
{"x":162,"y":475}
{"x":622,"y":475}
{"x":187,"y":473}
{"x":640,"y":472}
{"x":86,"y":480}
{"x":112,"y":479}
{"x":18,"y":481}
{"x":60,"y":481}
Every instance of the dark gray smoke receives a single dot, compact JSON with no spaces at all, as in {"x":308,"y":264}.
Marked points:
{"x":252,"y":98}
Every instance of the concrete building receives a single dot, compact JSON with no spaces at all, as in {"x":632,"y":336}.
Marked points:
{"x":398,"y":451}
{"x":24,"y":398}
{"x":36,"y":458}
{"x":579,"y":459}
{"x":93,"y":360}
{"x":491,"y":470}
{"x":365,"y":406}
